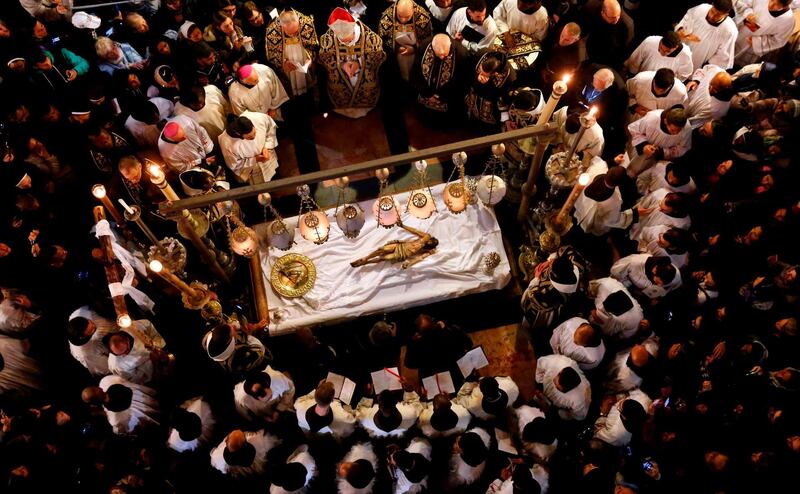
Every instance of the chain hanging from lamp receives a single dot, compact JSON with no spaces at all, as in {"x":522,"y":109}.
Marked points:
{"x":242,"y":239}
{"x":456,"y":194}
{"x":280,"y":234}
{"x":349,"y":216}
{"x":491,"y":187}
{"x":313,"y":223}
{"x":420,"y":201}
{"x":385,"y":209}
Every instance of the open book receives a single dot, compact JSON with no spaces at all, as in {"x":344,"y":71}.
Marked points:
{"x":473,"y":359}
{"x":386,"y":378}
{"x":344,"y":387}
{"x":438,"y":383}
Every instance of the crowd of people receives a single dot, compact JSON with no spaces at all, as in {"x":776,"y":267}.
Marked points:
{"x":665,"y":325}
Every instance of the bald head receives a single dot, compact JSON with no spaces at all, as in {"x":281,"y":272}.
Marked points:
{"x":441,"y":45}
{"x":235,"y":440}
{"x":639,"y":355}
{"x":611,"y":11}
{"x":404,"y":11}
{"x":93,"y":396}
{"x":603,"y":79}
{"x":720,"y":82}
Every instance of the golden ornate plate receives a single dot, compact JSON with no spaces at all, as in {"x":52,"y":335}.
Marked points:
{"x":293,"y":275}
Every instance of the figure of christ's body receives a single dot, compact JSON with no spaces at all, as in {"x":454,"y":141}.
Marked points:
{"x":409,"y":252}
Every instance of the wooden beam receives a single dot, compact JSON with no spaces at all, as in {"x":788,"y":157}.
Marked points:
{"x":365,"y":166}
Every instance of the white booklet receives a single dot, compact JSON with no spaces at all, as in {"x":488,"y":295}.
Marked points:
{"x":473,"y":359}
{"x":504,"y":442}
{"x":386,"y":378}
{"x":438,"y":383}
{"x":344,"y":387}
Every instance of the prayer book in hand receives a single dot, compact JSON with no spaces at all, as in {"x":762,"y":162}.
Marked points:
{"x":472,"y":360}
{"x":386,"y":378}
{"x":344,"y":387}
{"x":438,"y":383}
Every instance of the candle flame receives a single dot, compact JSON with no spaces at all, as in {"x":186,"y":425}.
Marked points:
{"x":124,"y":321}
{"x":99,"y":191}
{"x":156,"y":266}
{"x":566,"y":77}
{"x":155,"y":171}
{"x":583,"y":179}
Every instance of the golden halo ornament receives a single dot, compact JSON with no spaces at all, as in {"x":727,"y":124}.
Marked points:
{"x":293,"y":275}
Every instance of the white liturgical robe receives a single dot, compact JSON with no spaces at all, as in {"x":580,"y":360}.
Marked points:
{"x":656,"y":216}
{"x":359,"y":451}
{"x":462,"y":421}
{"x":647,"y":57}
{"x":402,"y":484}
{"x":620,"y":326}
{"x":146,"y":135}
{"x":460,"y":472}
{"x":648,"y":129}
{"x":610,"y":429}
{"x":409,"y":410}
{"x":344,"y":418}
{"x":541,"y":452}
{"x":302,"y":456}
{"x":202,"y":409}
{"x":188,"y":153}
{"x":539,"y":474}
{"x":20,"y":375}
{"x":471,"y":397}
{"x":488,"y":30}
{"x":620,"y":377}
{"x":716,"y":45}
{"x":267,"y":94}
{"x":509,"y":18}
{"x":213,"y":116}
{"x":591,"y":142}
{"x":282,"y":399}
{"x":599,"y":217}
{"x":562,"y":342}
{"x":93,"y":354}
{"x":439,"y":14}
{"x":143,"y":411}
{"x":648,"y":242}
{"x":261,"y":441}
{"x":655,"y":178}
{"x":572,"y":405}
{"x":772,"y":33}
{"x":240,"y":154}
{"x":640,"y":92}
{"x":701,"y":106}
{"x":630,"y":270}
{"x":136,"y":366}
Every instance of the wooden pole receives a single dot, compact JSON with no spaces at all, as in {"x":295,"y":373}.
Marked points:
{"x":529,"y":188}
{"x":259,"y":292}
{"x":112,"y":270}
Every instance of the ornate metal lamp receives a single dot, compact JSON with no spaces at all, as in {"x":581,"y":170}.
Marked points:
{"x":279,"y":233}
{"x":314,"y":224}
{"x":491,"y":187}
{"x":385,"y":209}
{"x":420,"y":201}
{"x":456,"y":194}
{"x":242,"y":239}
{"x":349,"y":216}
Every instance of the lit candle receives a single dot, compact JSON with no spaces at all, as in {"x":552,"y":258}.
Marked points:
{"x":583,"y":181}
{"x":559,"y":89}
{"x":587,"y":120}
{"x":124,"y":205}
{"x":99,"y":192}
{"x":158,"y":268}
{"x":160,"y":180}
{"x":124,"y":321}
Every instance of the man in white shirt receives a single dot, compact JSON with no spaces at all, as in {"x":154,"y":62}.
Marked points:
{"x":537,"y":434}
{"x":192,"y":425}
{"x":665,"y":240}
{"x":599,"y":207}
{"x":184,"y":144}
{"x":355,"y":474}
{"x":248,"y":146}
{"x":143,"y":121}
{"x":657,"y":52}
{"x":580,"y":341}
{"x":440,"y":13}
{"x":294,"y":476}
{"x":631,"y":367}
{"x":85,"y":334}
{"x":490,"y":398}
{"x":263,"y":395}
{"x":411,"y":466}
{"x":135,"y":352}
{"x":243,"y":454}
{"x":673,"y":176}
{"x":765,"y":28}
{"x":657,"y":90}
{"x":526,"y":16}
{"x":653,"y":276}
{"x":473,"y":27}
{"x":666,"y":208}
{"x":564,"y":384}
{"x":320,"y":413}
{"x":617,"y":313}
{"x":625,"y":418}
{"x":207,"y":106}
{"x":388,"y":417}
{"x":709,"y":33}
{"x":129,"y":407}
{"x":257,"y":89}
{"x":443,"y":418}
{"x":709,"y":95}
{"x":568,"y":120}
{"x":659,"y":135}
{"x":468,"y":460}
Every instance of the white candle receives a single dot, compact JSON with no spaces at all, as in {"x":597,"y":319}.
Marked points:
{"x":125,"y":206}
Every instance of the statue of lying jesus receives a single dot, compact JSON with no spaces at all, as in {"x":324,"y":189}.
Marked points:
{"x":409,"y":252}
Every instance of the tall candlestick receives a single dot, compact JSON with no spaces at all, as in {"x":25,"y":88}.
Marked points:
{"x":559,"y":89}
{"x":583,"y":181}
{"x":158,"y":268}
{"x":160,"y":180}
{"x":587,"y":120}
{"x":99,"y":192}
{"x":134,"y":214}
{"x":112,"y":273}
